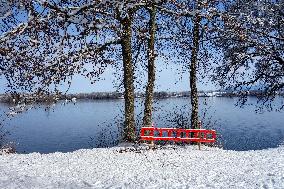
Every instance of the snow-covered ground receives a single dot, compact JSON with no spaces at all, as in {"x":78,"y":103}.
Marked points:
{"x":170,"y":167}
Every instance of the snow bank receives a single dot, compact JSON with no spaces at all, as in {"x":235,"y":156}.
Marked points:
{"x":120,"y":167}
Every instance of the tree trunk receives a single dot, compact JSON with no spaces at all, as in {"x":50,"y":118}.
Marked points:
{"x":193,"y":69}
{"x":147,"y":119}
{"x":129,"y":127}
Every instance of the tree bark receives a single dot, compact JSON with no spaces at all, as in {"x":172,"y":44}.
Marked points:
{"x":129,"y":127}
{"x":193,"y":70}
{"x":147,"y":119}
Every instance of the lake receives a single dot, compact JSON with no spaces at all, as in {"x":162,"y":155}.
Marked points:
{"x":89,"y":124}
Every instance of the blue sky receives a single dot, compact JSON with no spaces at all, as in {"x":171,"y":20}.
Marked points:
{"x":169,"y":79}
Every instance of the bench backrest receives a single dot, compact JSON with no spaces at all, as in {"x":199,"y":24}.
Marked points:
{"x":174,"y":134}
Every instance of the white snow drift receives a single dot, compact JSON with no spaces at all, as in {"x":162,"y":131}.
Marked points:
{"x":170,"y":167}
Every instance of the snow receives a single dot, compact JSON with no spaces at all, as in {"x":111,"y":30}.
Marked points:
{"x":125,"y":167}
{"x":7,"y":14}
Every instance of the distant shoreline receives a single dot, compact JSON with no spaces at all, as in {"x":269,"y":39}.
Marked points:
{"x":9,"y":98}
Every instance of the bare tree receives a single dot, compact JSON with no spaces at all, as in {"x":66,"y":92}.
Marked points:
{"x":196,"y":26}
{"x":147,"y":119}
{"x":253,"y":49}
{"x":129,"y":131}
{"x":54,"y":41}
{"x":193,"y":69}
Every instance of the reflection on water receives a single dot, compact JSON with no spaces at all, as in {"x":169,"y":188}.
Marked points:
{"x":87,"y":124}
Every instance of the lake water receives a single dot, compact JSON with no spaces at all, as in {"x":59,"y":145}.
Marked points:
{"x":88,"y":124}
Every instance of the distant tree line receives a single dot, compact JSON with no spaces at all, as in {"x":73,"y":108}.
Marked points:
{"x":12,"y":99}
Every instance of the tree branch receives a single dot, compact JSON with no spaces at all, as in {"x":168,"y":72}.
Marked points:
{"x":280,"y":60}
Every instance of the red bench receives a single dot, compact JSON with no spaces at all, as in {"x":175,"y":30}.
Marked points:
{"x":178,"y":135}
